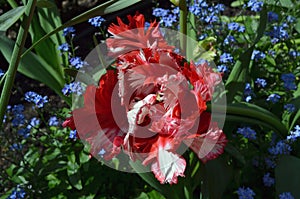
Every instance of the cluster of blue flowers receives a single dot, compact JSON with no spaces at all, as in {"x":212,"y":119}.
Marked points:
{"x":37,"y":99}
{"x":34,"y":122}
{"x":102,"y":152}
{"x":167,"y":17}
{"x":294,"y":135}
{"x":257,"y":55}
{"x":248,"y":92}
{"x":290,"y":108}
{"x":222,"y":68}
{"x":289,"y":81}
{"x":25,"y":132}
{"x":247,"y":132}
{"x":17,"y":193}
{"x":207,"y":14}
{"x":274,"y":98}
{"x":281,"y":148}
{"x":268,"y":181}
{"x":53,"y":121}
{"x":255,"y":5}
{"x":74,"y":87}
{"x":233,"y":26}
{"x":226,"y":58}
{"x":294,"y":54}
{"x":229,"y":40}
{"x":245,"y":193}
{"x":18,"y":116}
{"x":73,"y":134}
{"x":272,"y":16}
{"x":96,"y":21}
{"x":64,"y":47}
{"x":278,"y":33}
{"x":16,"y":147}
{"x":1,"y":73}
{"x":286,"y":195}
{"x":261,"y":83}
{"x":69,"y":31}
{"x":77,"y":62}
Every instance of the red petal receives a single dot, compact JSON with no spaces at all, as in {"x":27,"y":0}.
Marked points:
{"x":210,"y":145}
{"x":133,"y":36}
{"x":69,"y":122}
{"x":95,"y":121}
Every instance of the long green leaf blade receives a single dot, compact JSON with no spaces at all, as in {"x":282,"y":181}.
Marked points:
{"x":43,"y":22}
{"x":16,"y":58}
{"x":103,"y":9}
{"x":11,"y":17}
{"x":35,"y":67}
{"x":238,"y":76}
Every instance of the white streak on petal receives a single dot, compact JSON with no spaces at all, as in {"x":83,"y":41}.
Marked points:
{"x":168,"y":167}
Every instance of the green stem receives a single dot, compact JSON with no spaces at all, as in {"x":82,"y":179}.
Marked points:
{"x":16,"y":57}
{"x":183,"y":25}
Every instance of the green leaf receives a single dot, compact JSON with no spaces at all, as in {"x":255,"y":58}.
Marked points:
{"x":11,"y":17}
{"x":296,"y":101}
{"x":237,"y":3}
{"x":35,"y":67}
{"x":287,"y":175}
{"x":84,"y":157}
{"x":151,"y":180}
{"x":256,"y":112}
{"x":236,"y":81}
{"x":45,"y":21}
{"x":155,"y":195}
{"x":271,"y":2}
{"x":237,"y":78}
{"x":90,"y":196}
{"x":297,"y":26}
{"x":286,"y":3}
{"x":203,"y":49}
{"x":45,"y":4}
{"x":10,"y":170}
{"x":53,"y":181}
{"x":270,"y":60}
{"x":103,"y":9}
{"x":217,"y":172}
{"x":75,"y":180}
{"x":235,"y":153}
{"x":263,"y":19}
{"x":250,"y":113}
{"x":296,"y":118}
{"x":143,"y":195}
{"x":148,"y":177}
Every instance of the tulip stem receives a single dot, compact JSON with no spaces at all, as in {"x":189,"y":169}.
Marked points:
{"x":183,"y":25}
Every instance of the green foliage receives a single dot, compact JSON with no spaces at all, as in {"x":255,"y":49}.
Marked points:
{"x":287,"y":175}
{"x":10,"y":17}
{"x":41,"y":71}
{"x":51,"y":165}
